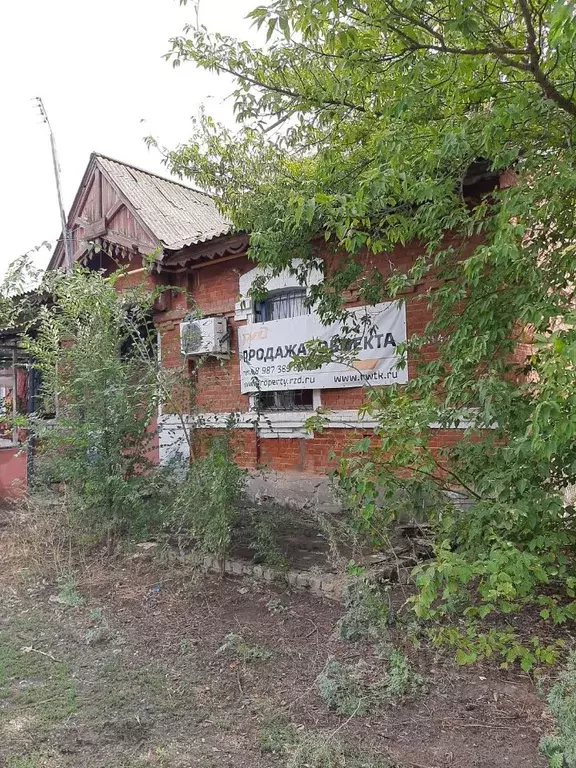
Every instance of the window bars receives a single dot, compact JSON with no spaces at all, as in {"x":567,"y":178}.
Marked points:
{"x":280,"y":306}
{"x":285,"y":400}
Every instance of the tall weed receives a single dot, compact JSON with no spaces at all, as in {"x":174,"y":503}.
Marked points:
{"x":209,"y":502}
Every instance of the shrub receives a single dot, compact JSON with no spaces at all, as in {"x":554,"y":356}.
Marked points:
{"x":471,"y":644}
{"x":560,"y":748}
{"x":264,"y":537}
{"x":357,"y":689}
{"x":400,"y":680}
{"x":68,"y":594}
{"x":324,"y":750}
{"x":343,"y":687}
{"x":277,"y":735}
{"x":315,"y":751}
{"x":94,"y":349}
{"x":235,"y":645}
{"x":496,"y":558}
{"x":209,"y":502}
{"x":368,"y":613}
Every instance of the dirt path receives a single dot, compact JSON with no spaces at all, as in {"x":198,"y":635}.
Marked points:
{"x":122,"y":669}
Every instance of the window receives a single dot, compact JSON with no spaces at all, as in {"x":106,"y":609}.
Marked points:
{"x":42,"y":404}
{"x":282,"y":305}
{"x":285,"y":400}
{"x":141,"y":337}
{"x":12,"y":394}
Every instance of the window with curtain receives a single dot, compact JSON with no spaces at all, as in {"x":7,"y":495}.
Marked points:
{"x":281,"y":306}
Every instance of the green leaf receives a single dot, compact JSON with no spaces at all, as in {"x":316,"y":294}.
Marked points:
{"x":271,"y":28}
{"x":284,"y":26}
{"x":464,"y":657}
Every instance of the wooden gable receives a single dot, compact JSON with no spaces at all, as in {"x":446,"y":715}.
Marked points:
{"x":101,"y":216}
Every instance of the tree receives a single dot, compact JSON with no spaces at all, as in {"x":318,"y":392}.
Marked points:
{"x":358,"y":122}
{"x":94,"y":348}
{"x":17,"y":289}
{"x":93,"y":340}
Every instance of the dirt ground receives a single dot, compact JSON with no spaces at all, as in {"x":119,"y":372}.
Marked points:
{"x":120,"y":668}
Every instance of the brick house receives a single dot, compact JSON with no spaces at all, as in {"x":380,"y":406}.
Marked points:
{"x":134,"y":214}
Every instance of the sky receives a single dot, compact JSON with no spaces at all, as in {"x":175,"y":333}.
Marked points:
{"x":99,"y":69}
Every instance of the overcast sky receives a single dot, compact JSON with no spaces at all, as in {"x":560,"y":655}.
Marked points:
{"x":98,"y":67}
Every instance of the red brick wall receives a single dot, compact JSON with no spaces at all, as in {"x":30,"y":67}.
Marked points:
{"x":244,"y":444}
{"x":294,"y":454}
{"x":136,"y":277}
{"x":300,"y":454}
{"x":307,"y":454}
{"x":214,"y":289}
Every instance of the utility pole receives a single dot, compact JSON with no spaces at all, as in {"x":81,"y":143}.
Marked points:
{"x":65,"y":233}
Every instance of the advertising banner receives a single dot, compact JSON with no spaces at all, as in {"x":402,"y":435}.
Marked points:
{"x":365,"y":347}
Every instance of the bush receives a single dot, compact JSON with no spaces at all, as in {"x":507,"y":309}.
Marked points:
{"x":489,"y":561}
{"x":357,"y":689}
{"x":68,"y":594}
{"x":324,"y":750}
{"x":368,"y":613}
{"x":277,"y":735}
{"x":344,"y":687}
{"x":264,"y":537}
{"x":234,"y":645}
{"x":209,"y":502}
{"x":400,"y":679}
{"x":313,"y":751}
{"x":561,"y":747}
{"x":94,"y":350}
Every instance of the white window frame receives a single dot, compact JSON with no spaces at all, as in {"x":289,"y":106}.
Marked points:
{"x":245,"y":310}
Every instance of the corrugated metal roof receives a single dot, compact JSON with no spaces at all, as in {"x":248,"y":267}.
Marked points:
{"x":176,"y":214}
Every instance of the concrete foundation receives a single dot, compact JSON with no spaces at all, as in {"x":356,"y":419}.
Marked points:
{"x":294,"y":489}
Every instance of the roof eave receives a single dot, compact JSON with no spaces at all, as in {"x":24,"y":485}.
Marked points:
{"x":229,"y":244}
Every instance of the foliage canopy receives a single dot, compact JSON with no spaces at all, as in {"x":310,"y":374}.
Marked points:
{"x":359,"y":122}
{"x":96,"y":353}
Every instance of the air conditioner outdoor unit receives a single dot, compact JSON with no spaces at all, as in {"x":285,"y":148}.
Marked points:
{"x":208,"y":336}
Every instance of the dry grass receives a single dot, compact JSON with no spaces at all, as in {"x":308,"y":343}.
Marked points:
{"x":42,"y":539}
{"x":118,"y":667}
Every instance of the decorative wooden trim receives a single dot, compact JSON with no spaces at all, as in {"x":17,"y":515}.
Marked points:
{"x":77,"y":205}
{"x":81,"y":252}
{"x":130,"y":208}
{"x":217,"y":261}
{"x":89,"y":175}
{"x":116,"y":208}
{"x":98,"y":183}
{"x":126,"y":242}
{"x":230,"y":245}
{"x":95,"y":229}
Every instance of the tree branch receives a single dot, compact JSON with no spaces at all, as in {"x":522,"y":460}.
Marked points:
{"x":294,"y":95}
{"x":549,"y":90}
